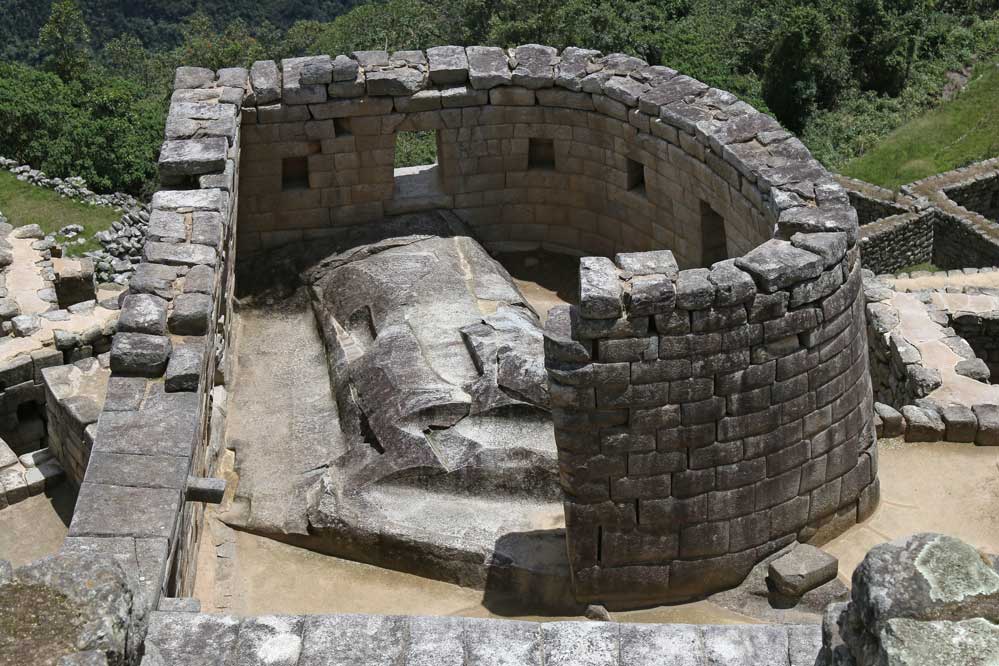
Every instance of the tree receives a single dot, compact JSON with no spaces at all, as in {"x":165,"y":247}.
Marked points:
{"x":806,"y":68}
{"x":885,"y":41}
{"x":65,"y":41}
{"x":126,"y":57}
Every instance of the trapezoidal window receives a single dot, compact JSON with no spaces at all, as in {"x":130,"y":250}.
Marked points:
{"x":341,"y":127}
{"x":294,"y":173}
{"x":714,"y":245}
{"x":636,"y":177}
{"x":416,"y":172}
{"x":541,"y":154}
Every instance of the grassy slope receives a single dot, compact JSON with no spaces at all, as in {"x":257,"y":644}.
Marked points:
{"x":956,"y":133}
{"x":27,"y":204}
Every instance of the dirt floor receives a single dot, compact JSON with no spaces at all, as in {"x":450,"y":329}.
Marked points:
{"x":928,"y":487}
{"x":545,"y":278}
{"x":952,"y":488}
{"x":36,"y":527}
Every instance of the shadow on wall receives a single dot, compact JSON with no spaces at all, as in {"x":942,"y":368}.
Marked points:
{"x":529,"y":576}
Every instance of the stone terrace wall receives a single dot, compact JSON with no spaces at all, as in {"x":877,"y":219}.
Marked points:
{"x":151,"y":435}
{"x":872,"y":202}
{"x":623,"y":171}
{"x":898,"y":241}
{"x":978,"y":192}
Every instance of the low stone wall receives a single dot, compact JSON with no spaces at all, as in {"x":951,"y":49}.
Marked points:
{"x":964,"y":243}
{"x":892,"y":243}
{"x":74,"y":396}
{"x":165,"y":358}
{"x":979,"y":191}
{"x":981,"y":331}
{"x":873,"y":203}
{"x":186,"y":639}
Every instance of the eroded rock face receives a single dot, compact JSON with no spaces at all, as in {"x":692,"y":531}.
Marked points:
{"x":927,"y":599}
{"x":438,"y":363}
{"x":60,"y":606}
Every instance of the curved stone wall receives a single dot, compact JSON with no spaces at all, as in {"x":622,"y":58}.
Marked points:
{"x":568,"y":152}
{"x":704,"y":417}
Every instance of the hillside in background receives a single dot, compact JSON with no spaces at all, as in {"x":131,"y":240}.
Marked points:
{"x":956,"y":133}
{"x":159,"y":24}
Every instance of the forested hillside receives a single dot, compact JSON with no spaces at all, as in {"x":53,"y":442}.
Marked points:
{"x":90,"y":87}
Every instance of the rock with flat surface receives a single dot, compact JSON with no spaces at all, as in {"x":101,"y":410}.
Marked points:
{"x":923,"y":599}
{"x":801,"y":570}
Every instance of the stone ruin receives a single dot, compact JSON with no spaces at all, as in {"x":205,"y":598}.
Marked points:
{"x":704,"y":404}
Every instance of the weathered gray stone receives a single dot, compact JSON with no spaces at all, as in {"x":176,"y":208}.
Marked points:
{"x":777,"y":264}
{"x":371,"y":59}
{"x":397,"y":81}
{"x":139,"y":354}
{"x":648,"y":263}
{"x":63,"y":606}
{"x":25,"y":325}
{"x":830,"y":246}
{"x":960,"y":422}
{"x":232,"y":77}
{"x":988,"y":425}
{"x":344,"y":69}
{"x":535,"y":66}
{"x":572,"y":67}
{"x":191,"y":314}
{"x":265,"y":82}
{"x":193,"y":77}
{"x":694,"y":289}
{"x":600,"y":289}
{"x":143,"y":313}
{"x":893,"y":423}
{"x":185,"y":367}
{"x":922,"y":425}
{"x":191,"y":157}
{"x":317,"y":70}
{"x":74,"y":281}
{"x":448,"y":64}
{"x":974,"y":368}
{"x":200,"y":279}
{"x":732,"y":286}
{"x":902,"y":586}
{"x":179,"y":254}
{"x":801,"y":570}
{"x":153,"y":278}
{"x":488,"y":67}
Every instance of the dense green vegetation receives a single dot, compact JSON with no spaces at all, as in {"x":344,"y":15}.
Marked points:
{"x":25,"y":204}
{"x":956,"y":133}
{"x":841,"y":73}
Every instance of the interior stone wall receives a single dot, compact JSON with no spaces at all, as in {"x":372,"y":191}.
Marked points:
{"x":580,"y":203}
{"x":979,"y":194}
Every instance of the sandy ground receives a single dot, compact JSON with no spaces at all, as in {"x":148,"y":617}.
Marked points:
{"x":928,"y":487}
{"x":545,"y":278}
{"x":952,"y":488}
{"x":36,"y":527}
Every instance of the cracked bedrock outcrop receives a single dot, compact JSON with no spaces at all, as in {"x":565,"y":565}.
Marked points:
{"x":923,"y":599}
{"x":437,"y":364}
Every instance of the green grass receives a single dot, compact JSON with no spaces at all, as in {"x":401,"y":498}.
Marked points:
{"x":954,"y":134}
{"x":24,"y":204}
{"x":925,"y":266}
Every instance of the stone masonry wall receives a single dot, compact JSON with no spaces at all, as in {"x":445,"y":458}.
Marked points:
{"x":619,"y":176}
{"x":702,"y":433}
{"x":704,"y":418}
{"x":979,"y":193}
{"x":897,"y":242}
{"x":872,"y":202}
{"x":151,"y":435}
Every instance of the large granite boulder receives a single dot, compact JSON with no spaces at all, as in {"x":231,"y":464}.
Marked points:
{"x":925,"y":599}
{"x":447,"y":457}
{"x":435,"y":356}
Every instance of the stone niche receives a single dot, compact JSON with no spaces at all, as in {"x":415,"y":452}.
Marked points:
{"x":710,"y":393}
